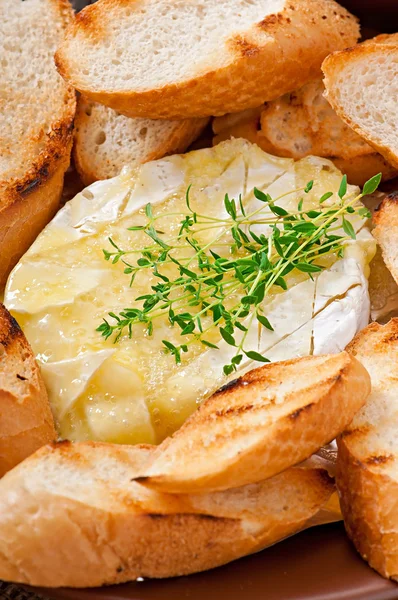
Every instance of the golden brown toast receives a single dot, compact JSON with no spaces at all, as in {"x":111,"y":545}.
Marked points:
{"x":26,"y":422}
{"x":386,"y":231}
{"x":106,"y":141}
{"x":262,"y":423}
{"x":71,"y":516}
{"x":36,"y":122}
{"x":361,"y":85}
{"x":301,"y":124}
{"x":177,"y":60}
{"x":367,"y":466}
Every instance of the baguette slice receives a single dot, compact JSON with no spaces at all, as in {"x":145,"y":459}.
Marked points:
{"x":26,"y":422}
{"x":36,"y":121}
{"x":361,"y":85}
{"x":257,"y":426}
{"x":70,"y":516}
{"x":301,"y":124}
{"x":383,"y":290}
{"x":105,"y":140}
{"x":166,"y":59}
{"x":386,"y":231}
{"x":367,"y":474}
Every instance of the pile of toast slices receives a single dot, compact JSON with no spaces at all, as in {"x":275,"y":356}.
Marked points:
{"x":238,"y":476}
{"x":132,"y":81}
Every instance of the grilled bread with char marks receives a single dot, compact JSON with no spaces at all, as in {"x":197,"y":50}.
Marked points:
{"x":262,"y":423}
{"x":361,"y":85}
{"x":26,"y":422}
{"x":367,"y":464}
{"x":166,"y":59}
{"x":71,"y":516}
{"x":36,"y":122}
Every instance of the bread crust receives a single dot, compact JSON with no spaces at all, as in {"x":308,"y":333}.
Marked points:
{"x":90,"y":166}
{"x":29,"y":203}
{"x":362,"y":168}
{"x":26,"y":422}
{"x":257,"y":426}
{"x":276,"y":56}
{"x":335,"y":63}
{"x":369,"y":503}
{"x":69,"y":516}
{"x":368,"y":490}
{"x":301,"y":124}
{"x":386,"y":231}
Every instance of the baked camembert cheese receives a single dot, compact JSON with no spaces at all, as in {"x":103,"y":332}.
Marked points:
{"x":131,"y":390}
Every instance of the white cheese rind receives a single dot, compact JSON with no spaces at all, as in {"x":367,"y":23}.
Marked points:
{"x":156,"y":181}
{"x":336,"y":281}
{"x":338,"y":323}
{"x":299,"y":343}
{"x":287,"y":313}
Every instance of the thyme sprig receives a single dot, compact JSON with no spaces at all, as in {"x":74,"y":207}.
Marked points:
{"x":208,"y":290}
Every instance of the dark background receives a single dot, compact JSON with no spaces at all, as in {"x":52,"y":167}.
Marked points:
{"x":381,"y":15}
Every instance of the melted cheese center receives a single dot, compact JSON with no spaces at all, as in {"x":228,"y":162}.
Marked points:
{"x":132,"y":392}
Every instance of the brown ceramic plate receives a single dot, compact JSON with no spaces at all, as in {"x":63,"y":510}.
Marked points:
{"x":318,"y":564}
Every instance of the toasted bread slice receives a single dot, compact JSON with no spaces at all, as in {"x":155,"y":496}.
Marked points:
{"x":383,"y":290}
{"x":165,"y":59}
{"x":106,"y":141}
{"x":361,"y":85}
{"x":26,"y":422}
{"x":70,"y":516}
{"x":386,"y":231}
{"x":302,"y":124}
{"x":260,"y":424}
{"x":367,"y":468}
{"x":36,"y":121}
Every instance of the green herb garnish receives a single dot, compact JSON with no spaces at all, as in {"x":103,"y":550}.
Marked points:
{"x":210,"y":291}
